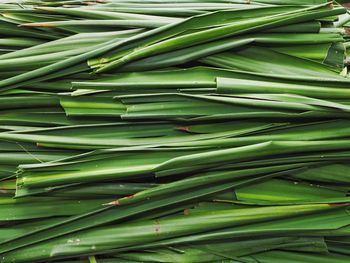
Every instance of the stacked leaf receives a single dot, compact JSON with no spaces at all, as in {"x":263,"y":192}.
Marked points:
{"x":174,"y":131}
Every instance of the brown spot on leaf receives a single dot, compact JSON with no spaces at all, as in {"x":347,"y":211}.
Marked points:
{"x":157,"y":228}
{"x":347,"y":31}
{"x":116,"y":202}
{"x":184,"y":128}
{"x":340,"y":204}
{"x":347,"y":5}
